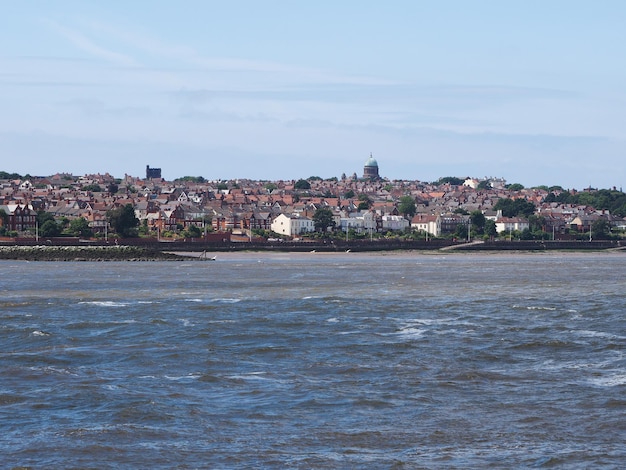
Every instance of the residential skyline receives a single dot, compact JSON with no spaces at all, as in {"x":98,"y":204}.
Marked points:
{"x":284,"y":90}
{"x":364,"y":174}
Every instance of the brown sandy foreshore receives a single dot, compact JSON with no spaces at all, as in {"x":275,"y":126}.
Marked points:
{"x":80,"y":253}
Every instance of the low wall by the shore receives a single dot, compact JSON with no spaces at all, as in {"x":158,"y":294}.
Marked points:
{"x":539,"y":245}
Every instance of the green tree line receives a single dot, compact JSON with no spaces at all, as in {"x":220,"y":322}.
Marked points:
{"x":603,"y":199}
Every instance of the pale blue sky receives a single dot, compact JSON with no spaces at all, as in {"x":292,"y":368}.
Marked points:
{"x":531,"y":91}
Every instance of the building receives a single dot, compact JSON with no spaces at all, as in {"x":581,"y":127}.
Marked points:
{"x":427,"y":223}
{"x":370,"y":170}
{"x":292,"y":225}
{"x":508,"y":224}
{"x":153,"y":173}
{"x":18,"y":217}
{"x":394,"y":222}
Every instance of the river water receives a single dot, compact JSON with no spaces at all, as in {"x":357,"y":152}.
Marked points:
{"x":315,"y":361}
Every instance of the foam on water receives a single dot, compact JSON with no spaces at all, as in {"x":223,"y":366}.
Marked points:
{"x":611,"y":380}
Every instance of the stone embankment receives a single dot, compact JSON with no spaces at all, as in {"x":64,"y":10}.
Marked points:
{"x":82,"y":253}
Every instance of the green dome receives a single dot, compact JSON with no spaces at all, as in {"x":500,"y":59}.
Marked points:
{"x":371,"y":162}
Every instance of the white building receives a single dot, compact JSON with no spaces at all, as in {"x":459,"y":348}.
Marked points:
{"x":359,"y":222}
{"x":292,"y":225}
{"x":509,"y":224}
{"x":351,"y":223}
{"x":471,"y":183}
{"x":427,"y":223}
{"x":394,"y":222}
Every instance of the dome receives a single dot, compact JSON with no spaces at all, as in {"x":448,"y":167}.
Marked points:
{"x":370,"y":170}
{"x":371,"y":162}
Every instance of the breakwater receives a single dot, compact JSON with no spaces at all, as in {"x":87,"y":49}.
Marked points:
{"x":85,"y":253}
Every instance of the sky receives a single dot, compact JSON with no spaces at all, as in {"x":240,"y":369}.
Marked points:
{"x":530,"y":91}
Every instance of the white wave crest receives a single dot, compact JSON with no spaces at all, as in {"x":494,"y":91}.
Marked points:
{"x":182,"y":377}
{"x":411,"y":332}
{"x":534,"y":307}
{"x":104,"y":303}
{"x":600,"y":334}
{"x":609,"y":380}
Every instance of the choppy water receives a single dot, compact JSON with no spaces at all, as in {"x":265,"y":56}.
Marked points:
{"x":315,"y":361}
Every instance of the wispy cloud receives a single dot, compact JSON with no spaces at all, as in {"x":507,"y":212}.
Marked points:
{"x":97,"y":108}
{"x":218,"y":115}
{"x":87,"y":45}
{"x":182,"y":54}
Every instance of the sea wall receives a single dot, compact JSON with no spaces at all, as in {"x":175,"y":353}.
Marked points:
{"x":141,"y":249}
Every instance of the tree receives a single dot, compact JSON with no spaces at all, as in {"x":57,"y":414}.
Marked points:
{"x":302,"y":184}
{"x":515,"y":207}
{"x":349,"y":194}
{"x":526,"y":234}
{"x":144,"y":230}
{"x":600,"y":229}
{"x":364,"y":203}
{"x":407,"y":206}
{"x":112,"y":188}
{"x":452,"y":180}
{"x":515,"y":187}
{"x":191,"y":179}
{"x":10,"y":176}
{"x":49,"y":229}
{"x":478,"y":221}
{"x":490,"y":228}
{"x":537,"y":224}
{"x":193,"y":231}
{"x":461,"y":231}
{"x":80,"y":228}
{"x":123,"y":220}
{"x":323,"y":218}
{"x":94,"y":188}
{"x":43,"y":216}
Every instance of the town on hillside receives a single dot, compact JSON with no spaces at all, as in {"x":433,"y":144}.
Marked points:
{"x":367,"y":207}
